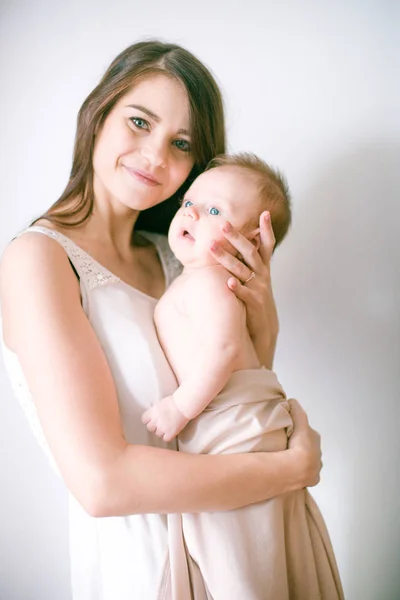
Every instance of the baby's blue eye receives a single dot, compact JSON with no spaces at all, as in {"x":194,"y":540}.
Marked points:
{"x":188,"y":203}
{"x":213,"y":211}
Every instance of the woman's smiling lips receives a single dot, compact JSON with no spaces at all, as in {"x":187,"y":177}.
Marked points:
{"x":142,"y":176}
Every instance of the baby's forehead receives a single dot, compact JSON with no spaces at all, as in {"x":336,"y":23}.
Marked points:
{"x":226,"y":178}
{"x":230,"y":188}
{"x":229,"y":172}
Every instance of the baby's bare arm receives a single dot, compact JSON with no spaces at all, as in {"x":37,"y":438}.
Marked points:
{"x":218,"y":318}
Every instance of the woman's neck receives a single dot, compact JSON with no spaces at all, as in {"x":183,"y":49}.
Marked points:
{"x":110,"y":224}
{"x":112,"y":229}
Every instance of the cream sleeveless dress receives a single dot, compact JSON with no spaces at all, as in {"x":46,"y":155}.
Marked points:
{"x":277,"y":550}
{"x":117,"y":558}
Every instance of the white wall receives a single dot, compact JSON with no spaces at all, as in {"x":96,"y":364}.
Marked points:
{"x":310,"y":86}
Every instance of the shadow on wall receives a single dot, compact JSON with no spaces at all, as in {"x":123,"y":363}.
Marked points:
{"x":342,"y":279}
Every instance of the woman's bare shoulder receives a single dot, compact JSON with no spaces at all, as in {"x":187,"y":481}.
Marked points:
{"x":34,"y":263}
{"x":32,"y":249}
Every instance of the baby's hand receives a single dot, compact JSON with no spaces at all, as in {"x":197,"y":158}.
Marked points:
{"x":165,"y":419}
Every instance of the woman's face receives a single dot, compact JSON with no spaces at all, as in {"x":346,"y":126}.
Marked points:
{"x":142,"y":153}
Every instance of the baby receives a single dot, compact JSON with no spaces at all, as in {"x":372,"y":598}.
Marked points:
{"x":225,"y":403}
{"x":201,"y":325}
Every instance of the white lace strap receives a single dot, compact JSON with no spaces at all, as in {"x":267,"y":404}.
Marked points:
{"x":91,"y":273}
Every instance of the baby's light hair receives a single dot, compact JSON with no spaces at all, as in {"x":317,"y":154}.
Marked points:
{"x":273,"y":188}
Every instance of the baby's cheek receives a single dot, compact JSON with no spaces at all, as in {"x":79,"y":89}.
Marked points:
{"x":214,"y":233}
{"x":210,"y":234}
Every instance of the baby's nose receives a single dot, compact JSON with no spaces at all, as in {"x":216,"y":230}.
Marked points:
{"x":191,"y":211}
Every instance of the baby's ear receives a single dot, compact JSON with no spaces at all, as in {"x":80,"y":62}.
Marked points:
{"x":254,"y":237}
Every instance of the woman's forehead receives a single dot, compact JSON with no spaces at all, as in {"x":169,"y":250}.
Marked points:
{"x":161,"y":95}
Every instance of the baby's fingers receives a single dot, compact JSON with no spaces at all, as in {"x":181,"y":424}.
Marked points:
{"x":159,"y":432}
{"x":146,"y":416}
{"x":151,"y":426}
{"x":149,"y":421}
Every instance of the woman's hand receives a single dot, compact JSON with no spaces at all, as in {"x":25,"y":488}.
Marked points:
{"x":251,"y":282}
{"x":306,"y":443}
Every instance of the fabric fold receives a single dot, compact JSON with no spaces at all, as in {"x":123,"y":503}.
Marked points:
{"x":274,"y":550}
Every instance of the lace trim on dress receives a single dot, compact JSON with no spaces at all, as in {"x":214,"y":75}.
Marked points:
{"x":93,"y":273}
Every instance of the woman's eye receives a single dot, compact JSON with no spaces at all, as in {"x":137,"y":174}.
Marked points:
{"x":139,"y":123}
{"x":183,"y":145}
{"x":213,"y":211}
{"x":187,"y":203}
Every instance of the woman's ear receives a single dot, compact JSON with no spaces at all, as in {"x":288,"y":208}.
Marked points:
{"x":254,"y":237}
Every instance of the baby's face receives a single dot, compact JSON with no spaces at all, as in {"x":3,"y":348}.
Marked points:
{"x":222,"y":194}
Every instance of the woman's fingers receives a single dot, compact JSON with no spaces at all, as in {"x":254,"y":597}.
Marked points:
{"x":231,"y":264}
{"x":298,"y":414}
{"x":307,"y":443}
{"x":245,"y":248}
{"x":251,"y":283}
{"x":267,"y":237}
{"x":241,"y":291}
{"x":303,"y":432}
{"x":252,"y":260}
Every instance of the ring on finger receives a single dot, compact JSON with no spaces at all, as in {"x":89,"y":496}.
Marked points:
{"x":251,"y":276}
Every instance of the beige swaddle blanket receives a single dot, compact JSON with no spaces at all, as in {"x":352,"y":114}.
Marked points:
{"x":274,"y":550}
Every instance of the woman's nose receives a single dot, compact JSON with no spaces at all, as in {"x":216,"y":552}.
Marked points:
{"x":155,"y":152}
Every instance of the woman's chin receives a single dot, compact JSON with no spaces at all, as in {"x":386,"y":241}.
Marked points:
{"x":139,"y":202}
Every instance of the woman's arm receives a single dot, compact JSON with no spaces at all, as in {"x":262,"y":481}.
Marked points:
{"x":262,"y":317}
{"x":75,"y":397}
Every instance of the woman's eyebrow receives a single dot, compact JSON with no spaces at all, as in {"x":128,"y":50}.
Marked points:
{"x":153,"y":116}
{"x":145,"y":110}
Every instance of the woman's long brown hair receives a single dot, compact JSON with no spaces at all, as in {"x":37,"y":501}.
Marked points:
{"x":75,"y":205}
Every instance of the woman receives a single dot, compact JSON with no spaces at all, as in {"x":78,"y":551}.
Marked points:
{"x":78,"y":292}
